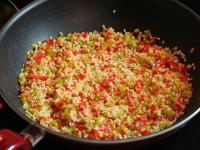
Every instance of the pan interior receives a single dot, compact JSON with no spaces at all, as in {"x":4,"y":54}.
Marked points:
{"x":165,"y":19}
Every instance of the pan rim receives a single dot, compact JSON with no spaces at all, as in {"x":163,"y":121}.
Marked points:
{"x":30,"y":6}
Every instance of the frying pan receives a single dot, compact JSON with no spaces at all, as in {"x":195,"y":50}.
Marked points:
{"x":169,"y":19}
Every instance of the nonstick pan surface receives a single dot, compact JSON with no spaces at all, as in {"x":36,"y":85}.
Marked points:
{"x":170,"y":20}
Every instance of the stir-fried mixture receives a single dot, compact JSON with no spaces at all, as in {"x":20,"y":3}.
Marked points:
{"x":104,"y":85}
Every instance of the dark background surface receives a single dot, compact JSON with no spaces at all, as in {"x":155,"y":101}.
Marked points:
{"x":188,"y":138}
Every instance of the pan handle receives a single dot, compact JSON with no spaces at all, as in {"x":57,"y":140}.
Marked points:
{"x":28,"y":138}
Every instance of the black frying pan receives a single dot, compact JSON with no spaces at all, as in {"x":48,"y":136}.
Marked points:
{"x":170,"y":20}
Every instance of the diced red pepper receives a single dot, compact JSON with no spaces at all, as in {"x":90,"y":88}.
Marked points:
{"x":144,"y":132}
{"x":154,"y":71}
{"x":96,"y":46}
{"x":131,"y":101}
{"x":85,"y":70}
{"x":158,"y":119}
{"x":166,"y":61}
{"x":51,"y":42}
{"x":57,"y":105}
{"x":74,"y":84}
{"x":56,"y":61}
{"x":108,"y":124}
{"x":67,"y":54}
{"x":105,"y":83}
{"x":122,"y":132}
{"x":115,"y":49}
{"x":92,"y":63}
{"x":140,"y":121}
{"x":130,"y":109}
{"x":73,"y":95}
{"x":126,"y":93}
{"x":112,"y":78}
{"x":144,"y":47}
{"x":44,"y":48}
{"x":80,"y":94}
{"x":104,"y":97}
{"x":80,"y":126}
{"x":178,"y":105}
{"x":117,"y":92}
{"x":138,"y":86}
{"x":127,"y":124}
{"x":55,"y":116}
{"x":105,"y":66}
{"x":154,"y":107}
{"x":107,"y":35}
{"x":30,"y":82}
{"x":101,"y":88}
{"x":82,"y":51}
{"x":40,"y":118}
{"x":62,"y":123}
{"x":183,"y":77}
{"x":140,"y":71}
{"x":142,"y":97}
{"x":38,"y":77}
{"x":38,"y":58}
{"x":81,"y":106}
{"x":109,"y":50}
{"x":66,"y":49}
{"x":58,"y":74}
{"x":22,"y":90}
{"x":122,"y":82}
{"x":75,"y":52}
{"x":102,"y":58}
{"x":81,"y":76}
{"x":94,"y":134}
{"x":96,"y":91}
{"x":88,"y":98}
{"x":67,"y":87}
{"x":108,"y":91}
{"x":84,"y":34}
{"x":59,"y":54}
{"x":55,"y":41}
{"x":171,"y":118}
{"x":183,"y":69}
{"x":95,"y":111}
{"x":83,"y":99}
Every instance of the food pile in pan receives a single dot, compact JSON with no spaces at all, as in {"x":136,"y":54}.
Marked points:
{"x":104,"y":85}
